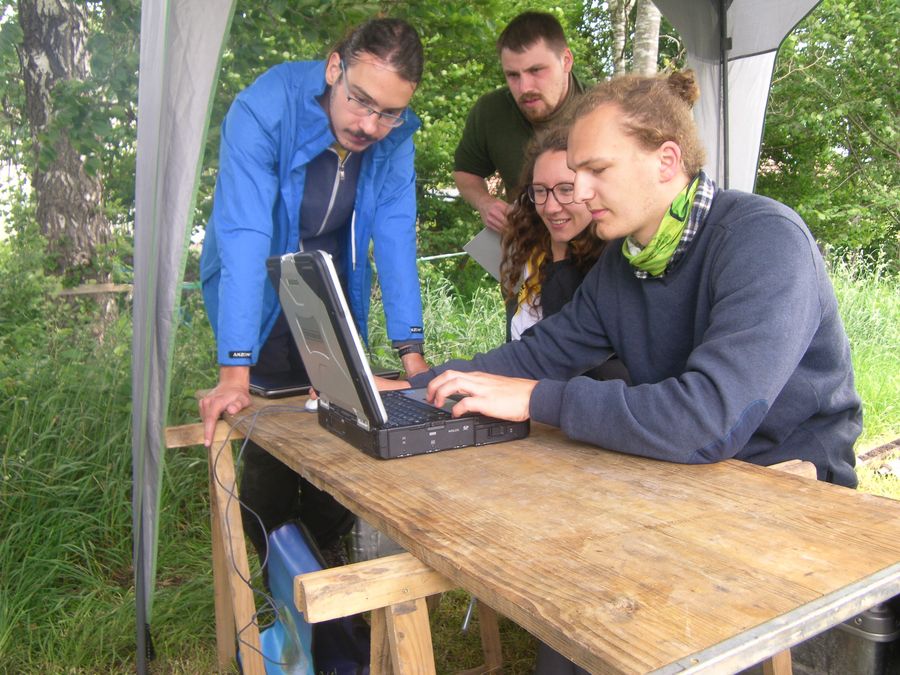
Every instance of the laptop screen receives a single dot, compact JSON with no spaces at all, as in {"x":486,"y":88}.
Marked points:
{"x":322,"y":326}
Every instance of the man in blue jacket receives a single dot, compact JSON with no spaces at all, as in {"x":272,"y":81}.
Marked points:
{"x":314,"y":155}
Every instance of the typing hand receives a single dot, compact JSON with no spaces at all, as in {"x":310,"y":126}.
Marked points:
{"x":507,"y":398}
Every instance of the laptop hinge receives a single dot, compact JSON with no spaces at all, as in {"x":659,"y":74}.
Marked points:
{"x":348,"y":415}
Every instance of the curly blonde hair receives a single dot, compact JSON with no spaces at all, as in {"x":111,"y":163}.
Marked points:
{"x":526,"y":238}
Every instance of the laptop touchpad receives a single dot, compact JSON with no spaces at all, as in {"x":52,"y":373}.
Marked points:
{"x":420,"y":395}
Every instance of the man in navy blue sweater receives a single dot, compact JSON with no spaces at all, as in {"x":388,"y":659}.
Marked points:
{"x":718,"y":303}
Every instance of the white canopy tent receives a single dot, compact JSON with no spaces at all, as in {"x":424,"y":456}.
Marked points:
{"x":733,"y":59}
{"x":181,"y":44}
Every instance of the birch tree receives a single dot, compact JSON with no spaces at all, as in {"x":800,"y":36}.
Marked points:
{"x":645,"y":45}
{"x":646,"y":38}
{"x":619,"y":11}
{"x":69,"y":198}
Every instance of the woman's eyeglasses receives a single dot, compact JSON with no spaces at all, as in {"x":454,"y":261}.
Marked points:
{"x":564,"y":193}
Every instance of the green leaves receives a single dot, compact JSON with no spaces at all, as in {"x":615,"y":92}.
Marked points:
{"x":831,"y":139}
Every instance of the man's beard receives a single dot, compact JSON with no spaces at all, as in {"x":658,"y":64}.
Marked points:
{"x":533,"y":114}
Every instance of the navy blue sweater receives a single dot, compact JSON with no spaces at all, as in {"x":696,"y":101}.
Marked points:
{"x":738,"y":351}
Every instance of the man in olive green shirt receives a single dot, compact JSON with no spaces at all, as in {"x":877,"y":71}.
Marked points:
{"x":537,"y":64}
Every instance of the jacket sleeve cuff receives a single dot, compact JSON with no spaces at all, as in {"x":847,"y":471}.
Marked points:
{"x":396,"y":344}
{"x":228,"y":357}
{"x":547,"y":401}
{"x":422,"y":379}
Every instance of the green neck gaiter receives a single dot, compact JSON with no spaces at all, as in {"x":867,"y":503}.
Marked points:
{"x":654,"y":257}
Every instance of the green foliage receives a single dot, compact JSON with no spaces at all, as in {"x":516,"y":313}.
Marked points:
{"x":97,"y":116}
{"x":596,"y":31}
{"x":13,"y":130}
{"x":831,"y":139}
{"x":24,"y":300}
{"x":66,"y":594}
{"x":455,"y":326}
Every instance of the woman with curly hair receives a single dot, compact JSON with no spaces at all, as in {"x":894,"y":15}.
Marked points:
{"x":548,"y":247}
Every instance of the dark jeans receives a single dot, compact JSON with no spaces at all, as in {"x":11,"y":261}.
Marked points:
{"x":273,"y":491}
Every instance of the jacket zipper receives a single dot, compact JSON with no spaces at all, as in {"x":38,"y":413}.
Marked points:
{"x":338,"y":179}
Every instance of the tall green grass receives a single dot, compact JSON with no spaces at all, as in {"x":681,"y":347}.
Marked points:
{"x":868,"y":294}
{"x":66,"y":581}
{"x":66,"y":587}
{"x":455,"y":326}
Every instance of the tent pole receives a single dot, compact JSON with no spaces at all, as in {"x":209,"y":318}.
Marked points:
{"x":723,"y":64}
{"x":140,"y":609}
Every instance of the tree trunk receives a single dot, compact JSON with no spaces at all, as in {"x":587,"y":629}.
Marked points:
{"x":619,"y":11}
{"x":646,"y":38}
{"x":69,"y":200}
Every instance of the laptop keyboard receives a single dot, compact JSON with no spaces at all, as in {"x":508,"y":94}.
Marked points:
{"x":403,"y":411}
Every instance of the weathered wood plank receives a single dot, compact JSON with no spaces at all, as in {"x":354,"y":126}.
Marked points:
{"x":620,"y":563}
{"x":798,"y":467}
{"x":95,"y":289}
{"x":364,"y":586}
{"x":410,"y":638}
{"x":192,"y":434}
{"x":380,"y":657}
{"x":233,"y":595}
{"x":780,"y":664}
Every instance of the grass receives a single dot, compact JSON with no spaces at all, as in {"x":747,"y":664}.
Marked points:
{"x":868,"y":293}
{"x":66,"y":588}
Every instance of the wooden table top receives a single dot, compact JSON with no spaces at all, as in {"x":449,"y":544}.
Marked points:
{"x":623,"y":564}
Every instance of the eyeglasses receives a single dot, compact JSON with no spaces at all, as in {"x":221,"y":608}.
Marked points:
{"x":361,"y":109}
{"x":564,"y":193}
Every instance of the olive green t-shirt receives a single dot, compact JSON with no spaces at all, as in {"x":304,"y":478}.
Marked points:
{"x":496,"y":134}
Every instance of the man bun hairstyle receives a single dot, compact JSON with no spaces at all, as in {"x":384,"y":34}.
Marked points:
{"x":393,"y":41}
{"x":655,"y":109}
{"x":683,"y":85}
{"x":528,"y":28}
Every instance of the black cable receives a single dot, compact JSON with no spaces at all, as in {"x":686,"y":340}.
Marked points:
{"x":268,"y":602}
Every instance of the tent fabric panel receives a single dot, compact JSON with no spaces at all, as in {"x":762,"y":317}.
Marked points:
{"x":748,"y":94}
{"x":697,"y":22}
{"x":180,"y":49}
{"x":756,"y":26}
{"x":708,"y":113}
{"x":154,"y":16}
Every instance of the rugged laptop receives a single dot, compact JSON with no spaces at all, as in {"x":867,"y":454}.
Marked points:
{"x":385,"y":424}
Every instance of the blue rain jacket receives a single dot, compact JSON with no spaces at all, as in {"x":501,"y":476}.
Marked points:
{"x":272,"y":131}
